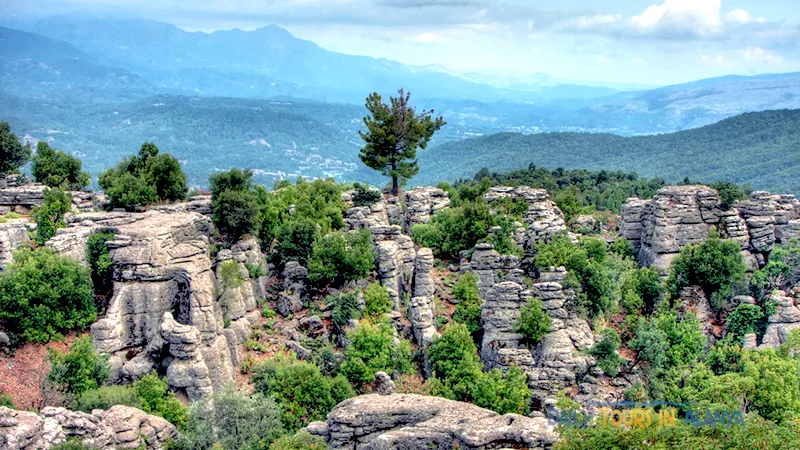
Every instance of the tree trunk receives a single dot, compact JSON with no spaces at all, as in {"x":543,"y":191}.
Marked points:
{"x":395,"y":186}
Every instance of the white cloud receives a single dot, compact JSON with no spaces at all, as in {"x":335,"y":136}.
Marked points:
{"x":758,"y":54}
{"x":719,"y":59}
{"x":742,"y":17}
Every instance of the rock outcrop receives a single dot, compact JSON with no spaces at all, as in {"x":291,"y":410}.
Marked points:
{"x":489,"y":266}
{"x":396,"y":257}
{"x":680,"y":215}
{"x":12,"y":234}
{"x":169,"y":312}
{"x":120,"y":427}
{"x":421,"y":310}
{"x":785,"y":319}
{"x":407,"y":421}
{"x":422,"y":203}
{"x":22,"y":198}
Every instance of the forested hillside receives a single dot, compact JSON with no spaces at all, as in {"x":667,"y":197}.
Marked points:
{"x":762,"y":149}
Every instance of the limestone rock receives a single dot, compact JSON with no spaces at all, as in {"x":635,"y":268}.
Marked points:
{"x":383,"y":384}
{"x":13,"y":234}
{"x":421,"y":310}
{"x":422,"y":203}
{"x":120,"y":427}
{"x":487,"y":264}
{"x":24,"y":197}
{"x":785,"y":319}
{"x":407,"y":421}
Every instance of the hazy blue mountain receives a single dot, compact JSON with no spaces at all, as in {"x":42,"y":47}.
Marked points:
{"x":266,"y":62}
{"x":759,"y":148}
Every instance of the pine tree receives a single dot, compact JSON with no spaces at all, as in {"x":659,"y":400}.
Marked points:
{"x":394,"y":132}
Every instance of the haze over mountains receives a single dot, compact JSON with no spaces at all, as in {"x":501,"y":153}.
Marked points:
{"x":285,"y":106}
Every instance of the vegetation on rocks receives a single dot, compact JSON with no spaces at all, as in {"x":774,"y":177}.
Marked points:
{"x":58,"y":169}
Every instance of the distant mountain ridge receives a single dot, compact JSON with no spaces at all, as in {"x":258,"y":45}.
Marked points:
{"x":761,"y":148}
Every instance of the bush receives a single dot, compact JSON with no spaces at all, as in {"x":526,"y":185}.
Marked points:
{"x":79,"y":370}
{"x":373,"y":349}
{"x":70,"y":444}
{"x":232,"y":420}
{"x":143,"y":179}
{"x":605,"y":350}
{"x":300,"y":441}
{"x":99,"y":261}
{"x":235,"y":214}
{"x":43,"y":295}
{"x":729,"y":193}
{"x":230,"y":274}
{"x":13,"y":154}
{"x":533,"y":322}
{"x":376,"y":300}
{"x":7,"y":401}
{"x":363,"y":195}
{"x":58,"y":169}
{"x":469,"y":303}
{"x":156,"y":399}
{"x":295,"y":241}
{"x":455,"y":229}
{"x":745,"y":319}
{"x":105,"y":397}
{"x":503,"y":393}
{"x":302,"y":391}
{"x":454,"y":360}
{"x":713,"y":265}
{"x":342,"y":256}
{"x":345,"y":308}
{"x":666,"y":343}
{"x":50,"y":216}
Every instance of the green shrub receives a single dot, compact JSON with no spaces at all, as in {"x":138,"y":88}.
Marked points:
{"x":105,"y":397}
{"x":99,"y":261}
{"x":713,"y":265}
{"x":745,"y":319}
{"x":70,"y":444}
{"x":503,"y":393}
{"x":234,"y":203}
{"x":363,"y":195}
{"x":295,"y":241}
{"x":469,"y":303}
{"x":605,"y":350}
{"x":729,"y":193}
{"x":145,"y":178}
{"x":50,"y":216}
{"x":13,"y":154}
{"x":58,"y":169}
{"x":156,"y":399}
{"x":7,"y":401}
{"x":43,"y":295}
{"x":623,"y":248}
{"x":345,"y":308}
{"x":665,"y":343}
{"x":232,"y":420}
{"x":231,"y":275}
{"x":372,"y":349}
{"x":304,"y":394}
{"x":300,"y":441}
{"x":376,"y":300}
{"x":533,"y":322}
{"x":79,"y":370}
{"x":342,"y":256}
{"x":255,"y":271}
{"x":454,"y":360}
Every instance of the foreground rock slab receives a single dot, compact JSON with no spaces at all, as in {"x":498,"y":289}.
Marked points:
{"x":121,"y":427}
{"x":409,"y":421}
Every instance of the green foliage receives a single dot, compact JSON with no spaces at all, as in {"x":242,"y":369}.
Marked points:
{"x":79,"y":370}
{"x":623,"y":248}
{"x":255,"y":271}
{"x":342,"y":256}
{"x":7,"y":401}
{"x":234,"y":203}
{"x":372,"y":349}
{"x":300,"y":441}
{"x":232,"y":420}
{"x":13,"y":154}
{"x":729,"y":193}
{"x":157,"y":399}
{"x":665,"y":343}
{"x":533,"y":322}
{"x":43,"y":295}
{"x":503,"y":393}
{"x":304,"y":394}
{"x":58,"y":169}
{"x":376,"y":300}
{"x":363,"y":195}
{"x":145,"y":178}
{"x":50,"y":216}
{"x":70,"y":444}
{"x":99,"y":260}
{"x":469,"y":303}
{"x":231,"y":274}
{"x":745,"y":319}
{"x":605,"y":350}
{"x":295,"y":241}
{"x":782,"y":270}
{"x":715,"y":265}
{"x":345,"y":308}
{"x":105,"y":397}
{"x":394,"y":132}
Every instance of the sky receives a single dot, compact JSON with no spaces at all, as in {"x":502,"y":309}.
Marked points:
{"x":651,"y":42}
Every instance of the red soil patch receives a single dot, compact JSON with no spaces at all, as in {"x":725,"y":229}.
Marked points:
{"x":22,"y":375}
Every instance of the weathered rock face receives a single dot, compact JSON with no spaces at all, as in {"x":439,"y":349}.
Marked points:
{"x":555,"y":362}
{"x":12,"y":180}
{"x":396,"y":257}
{"x":421,"y":310}
{"x":785,"y":319}
{"x":121,"y":427}
{"x":489,"y":266}
{"x":422,"y":203}
{"x":407,"y":421}
{"x":680,"y":215}
{"x":12,"y":234}
{"x":22,"y":198}
{"x":169,"y":312}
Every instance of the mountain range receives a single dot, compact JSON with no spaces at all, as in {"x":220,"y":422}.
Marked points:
{"x":285,"y":106}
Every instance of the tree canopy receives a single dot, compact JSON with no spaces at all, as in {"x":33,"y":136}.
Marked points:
{"x":58,"y":169}
{"x":13,"y":154}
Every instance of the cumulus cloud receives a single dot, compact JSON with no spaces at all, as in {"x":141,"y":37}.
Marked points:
{"x":758,"y":54}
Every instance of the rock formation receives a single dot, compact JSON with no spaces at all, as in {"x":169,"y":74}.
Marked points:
{"x":121,"y":427}
{"x":785,"y":319}
{"x":422,"y":203}
{"x":23,"y":197}
{"x":12,"y":234}
{"x":169,"y":312}
{"x":407,"y":421}
{"x":680,"y":215}
{"x":488,"y":266}
{"x":421,"y":311}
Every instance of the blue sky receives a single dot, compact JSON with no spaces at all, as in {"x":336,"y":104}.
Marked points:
{"x":631,"y":41}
